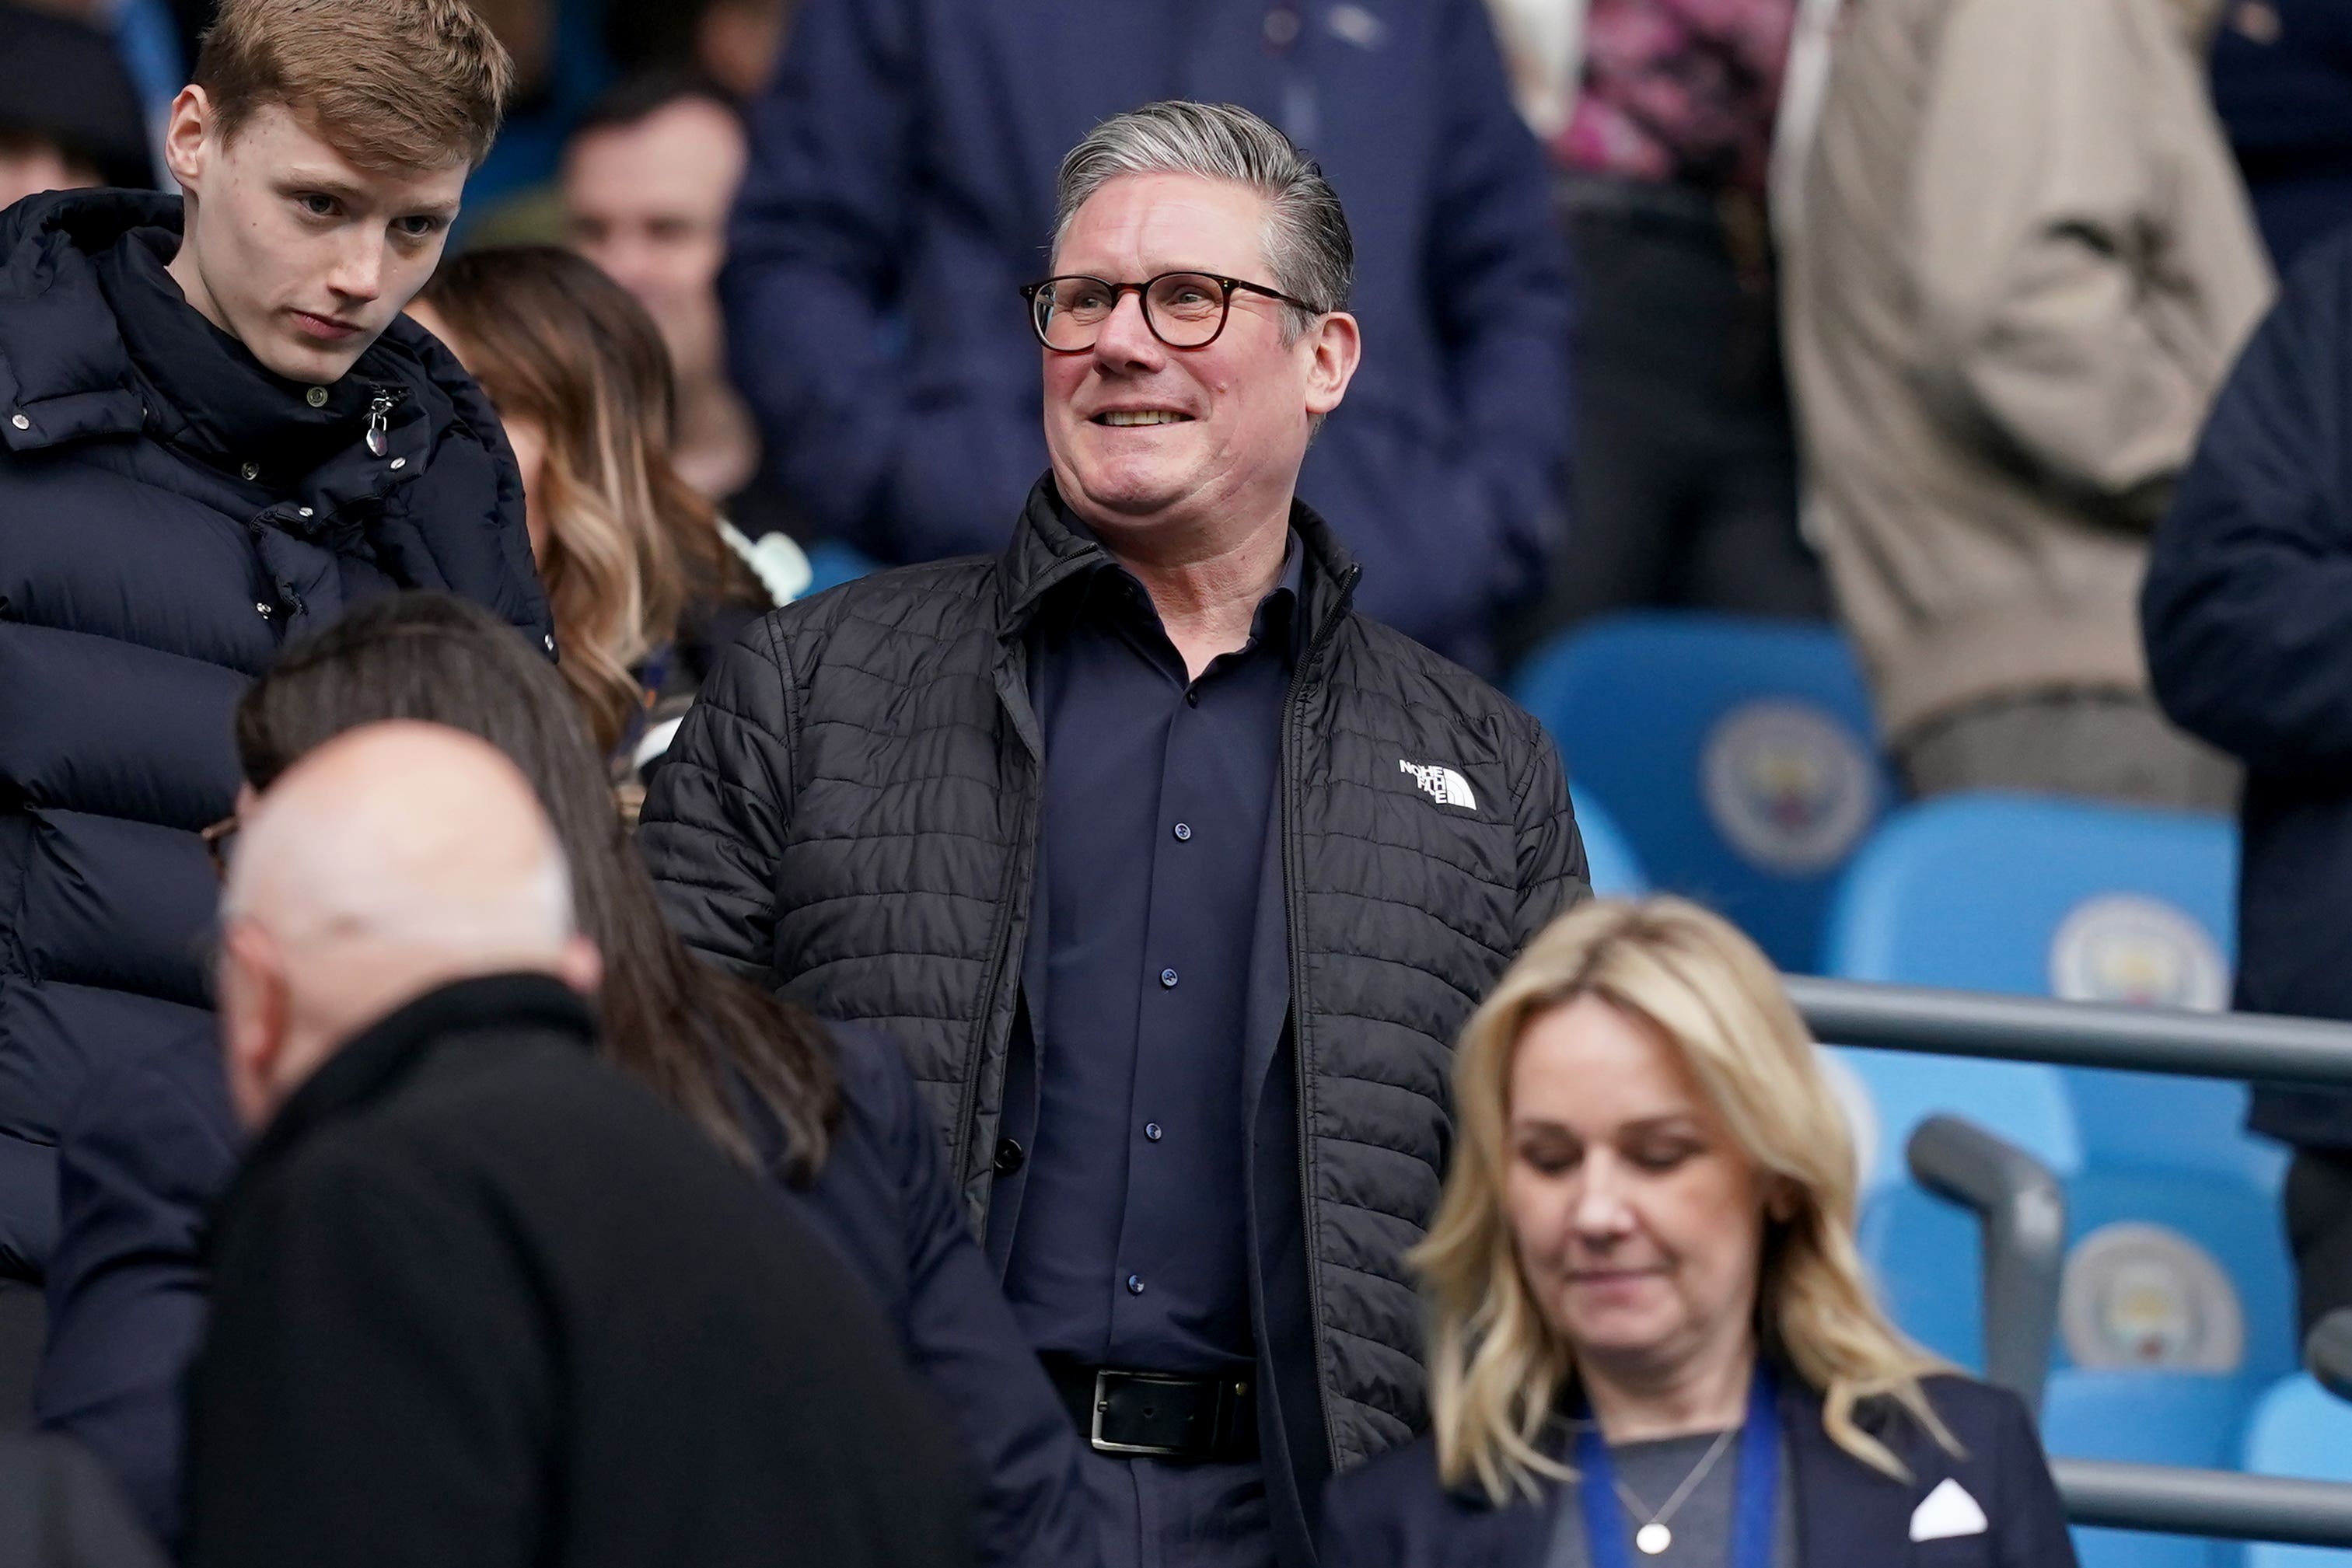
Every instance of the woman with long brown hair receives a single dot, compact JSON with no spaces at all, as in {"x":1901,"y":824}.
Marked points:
{"x":644,"y":580}
{"x":1650,"y":1337}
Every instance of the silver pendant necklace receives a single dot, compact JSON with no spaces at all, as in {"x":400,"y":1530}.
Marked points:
{"x":1652,"y":1538}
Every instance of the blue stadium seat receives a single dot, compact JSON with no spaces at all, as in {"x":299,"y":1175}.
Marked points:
{"x":831,"y":564}
{"x":2044,"y":897}
{"x":2175,"y":1253}
{"x":1736,"y":755}
{"x":2298,"y":1428}
{"x":1616,"y":871}
{"x":2146,"y":1417}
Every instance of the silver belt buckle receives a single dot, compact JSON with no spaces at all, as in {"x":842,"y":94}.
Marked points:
{"x":1103,"y":1445}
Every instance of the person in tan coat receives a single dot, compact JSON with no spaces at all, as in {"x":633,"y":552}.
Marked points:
{"x":2025,"y":263}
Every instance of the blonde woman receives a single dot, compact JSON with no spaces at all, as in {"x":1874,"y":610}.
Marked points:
{"x":1651,"y":1340}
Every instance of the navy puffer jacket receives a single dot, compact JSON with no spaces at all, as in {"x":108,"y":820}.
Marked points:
{"x":170,"y":514}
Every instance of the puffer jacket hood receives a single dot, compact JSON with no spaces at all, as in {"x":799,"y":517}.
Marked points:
{"x":171,"y":513}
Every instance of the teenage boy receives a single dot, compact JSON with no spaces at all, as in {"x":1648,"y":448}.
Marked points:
{"x":215,"y":431}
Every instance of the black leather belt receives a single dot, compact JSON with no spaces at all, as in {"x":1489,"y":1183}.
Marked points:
{"x":1162,"y":1416}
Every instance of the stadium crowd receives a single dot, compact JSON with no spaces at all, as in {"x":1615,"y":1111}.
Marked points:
{"x":707,"y":860}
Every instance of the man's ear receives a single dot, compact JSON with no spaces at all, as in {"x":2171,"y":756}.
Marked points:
{"x":1338,"y":346}
{"x":254,"y":1018}
{"x":581,"y":967}
{"x":183,"y":136}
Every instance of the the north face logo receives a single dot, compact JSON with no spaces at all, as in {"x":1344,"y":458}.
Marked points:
{"x":1442,"y":785}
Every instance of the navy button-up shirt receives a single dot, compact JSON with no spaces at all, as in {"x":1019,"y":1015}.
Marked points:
{"x":1131,"y":1248}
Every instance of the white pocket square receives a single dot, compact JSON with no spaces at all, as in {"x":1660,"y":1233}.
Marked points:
{"x":1950,"y":1510}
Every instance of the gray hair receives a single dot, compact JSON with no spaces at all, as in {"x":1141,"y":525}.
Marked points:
{"x":1307,"y":243}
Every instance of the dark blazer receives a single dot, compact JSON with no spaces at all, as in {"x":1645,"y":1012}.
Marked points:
{"x":477,"y":1299}
{"x":1392,"y":1513}
{"x":153,"y":1143}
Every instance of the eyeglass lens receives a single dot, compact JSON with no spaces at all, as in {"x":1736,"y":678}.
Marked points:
{"x":1184,"y":310}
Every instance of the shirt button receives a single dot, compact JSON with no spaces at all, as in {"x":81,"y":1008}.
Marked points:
{"x":251,"y":470}
{"x":1167,"y":979}
{"x":316,"y":397}
{"x":1135,"y":1284}
{"x":1008,"y":1156}
{"x":1183,"y":832}
{"x":20,"y":421}
{"x":304,"y":510}
{"x":1192,"y":697}
{"x":1152,"y":1131}
{"x":400,"y":463}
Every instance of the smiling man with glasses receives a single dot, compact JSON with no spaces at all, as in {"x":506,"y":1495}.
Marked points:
{"x":1129,"y":833}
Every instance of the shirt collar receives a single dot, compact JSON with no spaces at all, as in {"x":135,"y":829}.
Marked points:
{"x":1277,"y":614}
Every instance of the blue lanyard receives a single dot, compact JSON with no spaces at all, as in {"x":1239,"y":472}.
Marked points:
{"x":1605,"y":1538}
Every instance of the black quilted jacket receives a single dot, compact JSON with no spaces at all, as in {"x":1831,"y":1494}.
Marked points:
{"x":850,"y":813}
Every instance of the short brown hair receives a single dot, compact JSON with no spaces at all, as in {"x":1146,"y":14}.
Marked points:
{"x":393,"y":85}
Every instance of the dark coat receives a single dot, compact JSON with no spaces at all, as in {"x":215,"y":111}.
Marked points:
{"x":850,"y":814}
{"x":144,"y":580}
{"x":1394,"y":1513}
{"x":153,"y":1143}
{"x":58,"y":1509}
{"x":901,"y":189}
{"x":2248,"y":613}
{"x":479,"y":1300}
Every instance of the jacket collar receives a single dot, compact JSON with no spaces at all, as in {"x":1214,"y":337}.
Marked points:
{"x":375,"y":1061}
{"x":96,"y":339}
{"x":205,"y":390}
{"x":1839,"y":1500}
{"x":1046,"y":551}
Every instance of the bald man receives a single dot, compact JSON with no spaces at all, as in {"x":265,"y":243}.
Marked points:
{"x":479,"y":1300}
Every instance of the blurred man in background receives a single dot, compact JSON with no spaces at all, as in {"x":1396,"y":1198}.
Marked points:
{"x":1663,"y":120}
{"x":902,"y":170}
{"x":2024,"y":264}
{"x":2249,"y":621}
{"x":648,"y":181}
{"x":476,"y":1297}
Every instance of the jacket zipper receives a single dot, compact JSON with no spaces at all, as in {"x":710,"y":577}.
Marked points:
{"x":379,"y":420}
{"x":1290,"y":881}
{"x":968,"y":1103}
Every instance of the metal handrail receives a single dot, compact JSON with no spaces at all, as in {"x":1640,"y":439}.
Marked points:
{"x":2254,"y":1045}
{"x":2167,"y":1499}
{"x":2022,"y":1211}
{"x":1993,"y":1180}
